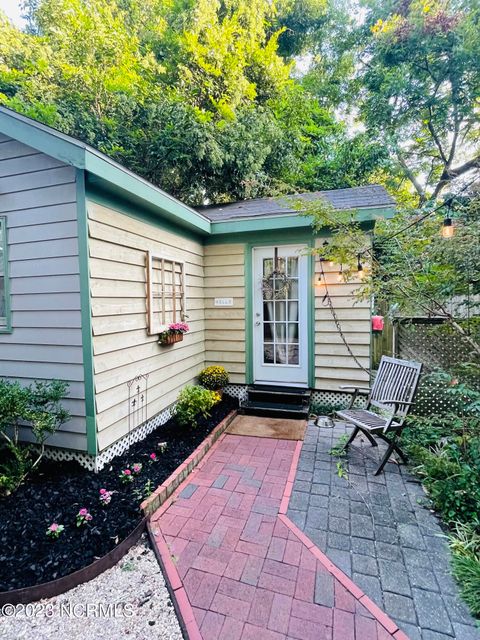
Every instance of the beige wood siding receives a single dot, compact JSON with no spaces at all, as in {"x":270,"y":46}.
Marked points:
{"x":225,"y":326}
{"x":334,"y":365}
{"x":122,"y":348}
{"x":38,"y":200}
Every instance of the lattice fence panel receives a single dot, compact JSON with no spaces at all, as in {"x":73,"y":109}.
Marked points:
{"x":430,"y":342}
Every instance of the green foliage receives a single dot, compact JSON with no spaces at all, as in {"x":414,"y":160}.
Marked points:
{"x":193,"y":402}
{"x":37,"y":406}
{"x":445,"y":448}
{"x":338,"y":450}
{"x":214,"y":377}
{"x":411,"y":268}
{"x":194,"y":96}
{"x":419,"y":87}
{"x":467,"y":571}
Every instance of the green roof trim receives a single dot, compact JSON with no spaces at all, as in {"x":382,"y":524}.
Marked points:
{"x":289,"y":221}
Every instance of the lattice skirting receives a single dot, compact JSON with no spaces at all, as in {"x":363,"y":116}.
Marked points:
{"x":319,"y":397}
{"x":238,"y":391}
{"x":96,"y":463}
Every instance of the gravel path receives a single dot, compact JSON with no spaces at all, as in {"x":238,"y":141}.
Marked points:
{"x":136,"y":584}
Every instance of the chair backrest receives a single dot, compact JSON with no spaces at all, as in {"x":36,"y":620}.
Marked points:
{"x":395,"y":380}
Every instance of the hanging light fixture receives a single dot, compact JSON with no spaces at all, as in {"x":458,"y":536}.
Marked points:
{"x":447,"y":228}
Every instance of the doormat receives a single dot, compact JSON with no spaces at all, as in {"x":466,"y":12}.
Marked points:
{"x":279,"y":428}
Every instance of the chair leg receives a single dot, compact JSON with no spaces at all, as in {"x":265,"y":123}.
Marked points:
{"x":385,"y":458}
{"x":369,"y":437}
{"x":392,"y":446}
{"x":400,"y":453}
{"x":352,"y":437}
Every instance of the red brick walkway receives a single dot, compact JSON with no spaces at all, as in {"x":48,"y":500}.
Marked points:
{"x":240,"y":570}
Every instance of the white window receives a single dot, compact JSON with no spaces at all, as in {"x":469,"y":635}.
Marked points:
{"x":165,"y":292}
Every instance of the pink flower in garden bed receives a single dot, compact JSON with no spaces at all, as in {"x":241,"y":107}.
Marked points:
{"x":83,"y":516}
{"x":126,"y":476}
{"x":54,"y":530}
{"x":105,"y":497}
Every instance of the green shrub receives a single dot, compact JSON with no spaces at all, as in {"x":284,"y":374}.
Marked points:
{"x":466,"y":570}
{"x":193,"y":402}
{"x":445,"y":449}
{"x":36,"y":406}
{"x":213,"y":378}
{"x":465,"y":546}
{"x":452,"y":482}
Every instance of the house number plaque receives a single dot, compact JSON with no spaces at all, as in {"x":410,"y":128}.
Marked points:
{"x":223,"y":302}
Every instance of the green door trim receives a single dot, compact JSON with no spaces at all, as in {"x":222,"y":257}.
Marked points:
{"x":7,"y":327}
{"x":86,"y":314}
{"x":309,"y":241}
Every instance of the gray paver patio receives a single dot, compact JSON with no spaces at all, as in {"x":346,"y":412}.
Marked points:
{"x":378,"y":531}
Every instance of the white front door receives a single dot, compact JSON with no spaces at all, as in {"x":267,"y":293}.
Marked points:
{"x":280,"y":315}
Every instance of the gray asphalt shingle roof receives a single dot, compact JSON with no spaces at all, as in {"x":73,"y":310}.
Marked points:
{"x":353,"y":198}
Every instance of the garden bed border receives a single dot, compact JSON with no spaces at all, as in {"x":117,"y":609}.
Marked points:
{"x":53,"y":588}
{"x":56,"y":587}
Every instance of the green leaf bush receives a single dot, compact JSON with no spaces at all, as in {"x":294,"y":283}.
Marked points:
{"x":445,"y":449}
{"x":37,"y":406}
{"x":194,"y":402}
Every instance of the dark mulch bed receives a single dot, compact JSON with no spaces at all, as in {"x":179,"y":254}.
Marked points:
{"x":60,"y":489}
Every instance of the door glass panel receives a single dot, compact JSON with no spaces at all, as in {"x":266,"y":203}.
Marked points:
{"x":268,"y":310}
{"x":280,"y":332}
{"x":267,"y":266}
{"x":280,"y":266}
{"x":293,"y":291}
{"x":293,"y":354}
{"x":268,"y":331}
{"x":293,"y":332}
{"x":293,"y":311}
{"x":280,"y":290}
{"x":280,"y":353}
{"x":280,"y":311}
{"x":292,"y":266}
{"x":268,"y":353}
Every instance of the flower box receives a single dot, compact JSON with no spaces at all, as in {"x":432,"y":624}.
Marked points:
{"x":171,"y":338}
{"x":174,"y":333}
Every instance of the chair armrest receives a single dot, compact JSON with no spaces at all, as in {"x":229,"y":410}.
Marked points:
{"x":396,"y":402}
{"x":357,"y":389}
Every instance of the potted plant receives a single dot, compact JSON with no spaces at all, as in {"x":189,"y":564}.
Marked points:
{"x":174,"y":333}
{"x":214,"y":378}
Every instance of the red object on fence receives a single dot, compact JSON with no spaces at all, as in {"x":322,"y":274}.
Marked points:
{"x":377,"y":323}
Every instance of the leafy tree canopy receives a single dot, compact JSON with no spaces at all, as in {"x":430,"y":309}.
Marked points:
{"x":197,"y":96}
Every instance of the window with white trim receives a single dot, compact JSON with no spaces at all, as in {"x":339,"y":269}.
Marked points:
{"x":165,"y":292}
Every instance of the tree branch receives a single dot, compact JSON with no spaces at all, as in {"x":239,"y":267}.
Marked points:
{"x":450,"y":173}
{"x":410,"y":175}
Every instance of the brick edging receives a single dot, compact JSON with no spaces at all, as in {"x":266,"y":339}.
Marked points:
{"x":165,"y":490}
{"x":379,"y":615}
